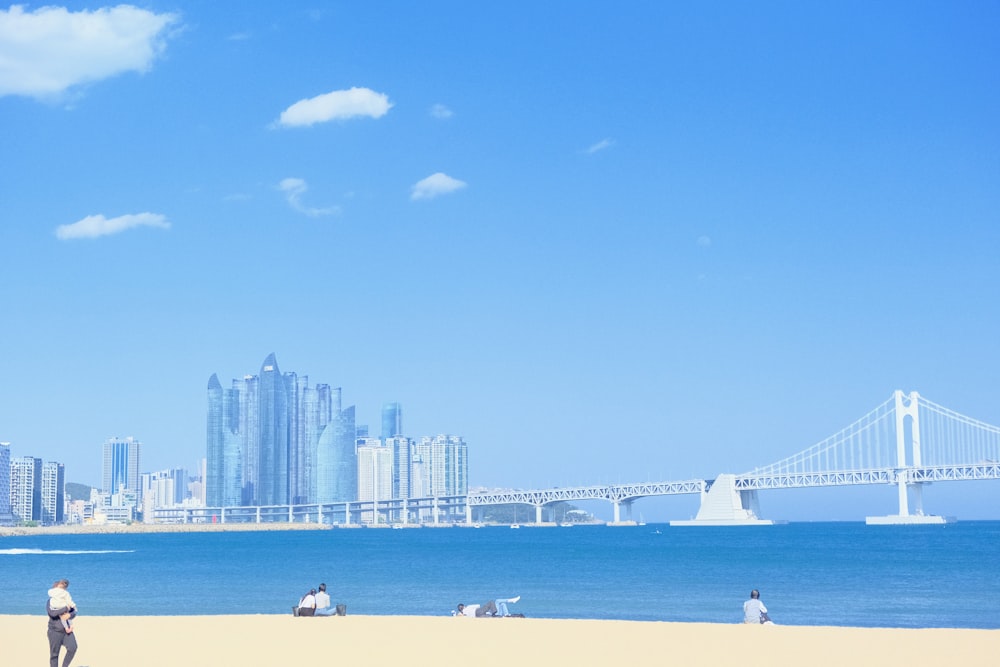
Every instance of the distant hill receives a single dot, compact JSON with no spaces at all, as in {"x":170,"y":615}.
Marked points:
{"x":76,"y":491}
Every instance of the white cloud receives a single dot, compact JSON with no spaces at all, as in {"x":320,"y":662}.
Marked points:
{"x":97,"y":225}
{"x":47,"y":51}
{"x":337,"y":105}
{"x":600,"y":146}
{"x":441,"y":111}
{"x":294,"y":188}
{"x":704,"y":241}
{"x":434,"y":185}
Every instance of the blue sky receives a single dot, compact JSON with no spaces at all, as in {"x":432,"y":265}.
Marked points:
{"x":603,"y":242}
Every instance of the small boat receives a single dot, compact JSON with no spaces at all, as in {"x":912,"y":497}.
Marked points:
{"x":515,"y":525}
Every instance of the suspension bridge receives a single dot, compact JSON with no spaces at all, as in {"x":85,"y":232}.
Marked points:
{"x":907,"y":441}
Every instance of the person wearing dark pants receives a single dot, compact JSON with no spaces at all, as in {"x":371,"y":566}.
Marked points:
{"x":59,"y":638}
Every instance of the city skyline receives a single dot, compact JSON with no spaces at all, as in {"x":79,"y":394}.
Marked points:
{"x":604,"y":243}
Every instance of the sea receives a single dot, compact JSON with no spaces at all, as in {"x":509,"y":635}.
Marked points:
{"x":840,"y":574}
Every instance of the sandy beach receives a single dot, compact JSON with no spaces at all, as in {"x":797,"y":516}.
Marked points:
{"x":269,"y":640}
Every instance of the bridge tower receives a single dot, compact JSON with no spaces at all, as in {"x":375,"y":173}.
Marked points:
{"x":907,"y":458}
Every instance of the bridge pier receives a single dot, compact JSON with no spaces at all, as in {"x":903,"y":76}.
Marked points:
{"x":723,"y":505}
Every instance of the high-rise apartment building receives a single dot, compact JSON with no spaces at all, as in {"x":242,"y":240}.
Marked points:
{"x":53,"y":510}
{"x":6,"y":517}
{"x":374,"y":472}
{"x":402,"y":458}
{"x":121,"y":465}
{"x":441,"y":467}
{"x":26,"y":488}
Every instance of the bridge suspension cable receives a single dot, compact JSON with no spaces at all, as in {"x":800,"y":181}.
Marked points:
{"x":949,"y":438}
{"x":867,"y":444}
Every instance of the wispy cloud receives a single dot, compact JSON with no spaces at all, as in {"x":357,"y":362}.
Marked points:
{"x":435,"y":185}
{"x":239,"y":37}
{"x":294,"y":188}
{"x":441,"y":111}
{"x":600,"y":146}
{"x":94,"y":226}
{"x":336,"y":105}
{"x":704,"y":241}
{"x":49,"y":50}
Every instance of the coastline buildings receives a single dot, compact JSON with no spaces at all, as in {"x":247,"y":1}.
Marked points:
{"x":32,"y":491}
{"x":272,"y":439}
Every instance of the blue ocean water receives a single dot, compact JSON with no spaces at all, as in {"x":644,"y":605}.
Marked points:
{"x":808,"y":573}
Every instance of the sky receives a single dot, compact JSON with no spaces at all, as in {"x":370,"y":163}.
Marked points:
{"x":603,"y":242}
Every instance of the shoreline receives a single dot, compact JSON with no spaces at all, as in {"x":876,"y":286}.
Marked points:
{"x":267,"y":640}
{"x":137,"y":528}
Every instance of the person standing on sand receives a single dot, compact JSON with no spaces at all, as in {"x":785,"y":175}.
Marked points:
{"x":754,"y":610}
{"x":59,"y":637}
{"x":59,"y":597}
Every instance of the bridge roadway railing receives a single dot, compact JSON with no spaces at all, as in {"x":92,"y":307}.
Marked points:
{"x":431,"y":508}
{"x":984,"y":470}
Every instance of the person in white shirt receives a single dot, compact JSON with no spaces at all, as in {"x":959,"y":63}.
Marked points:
{"x":323,"y":605}
{"x":307,"y":605}
{"x":497,"y":607}
{"x":754,"y":610}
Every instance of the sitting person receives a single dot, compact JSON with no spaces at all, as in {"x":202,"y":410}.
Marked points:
{"x":497,"y":607}
{"x":754,"y":610}
{"x":307,"y":605}
{"x":324,"y":607}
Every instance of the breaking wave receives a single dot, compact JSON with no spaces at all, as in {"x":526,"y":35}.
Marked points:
{"x":60,"y":552}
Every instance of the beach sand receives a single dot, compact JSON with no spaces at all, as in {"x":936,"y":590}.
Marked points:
{"x":270,"y":641}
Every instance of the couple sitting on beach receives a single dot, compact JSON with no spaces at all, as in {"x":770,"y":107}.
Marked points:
{"x":497,"y":607}
{"x":317,"y":603}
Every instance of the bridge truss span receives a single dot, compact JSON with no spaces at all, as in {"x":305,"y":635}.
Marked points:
{"x":811,"y":479}
{"x":611,"y":492}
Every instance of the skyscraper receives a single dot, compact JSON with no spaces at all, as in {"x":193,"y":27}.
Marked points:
{"x":402,"y":457}
{"x":26,"y":488}
{"x":53,"y":493}
{"x":223,"y":466}
{"x":273,"y":472}
{"x":374,"y":472}
{"x":392,"y":420}
{"x":121,"y":465}
{"x":6,"y":518}
{"x":443,"y":467}
{"x":336,"y":458}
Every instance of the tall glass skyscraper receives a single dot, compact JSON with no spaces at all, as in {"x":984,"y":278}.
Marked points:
{"x":121,"y":465}
{"x":274,"y":472}
{"x":392,"y":420}
{"x":336,"y":459}
{"x":224,"y":463}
